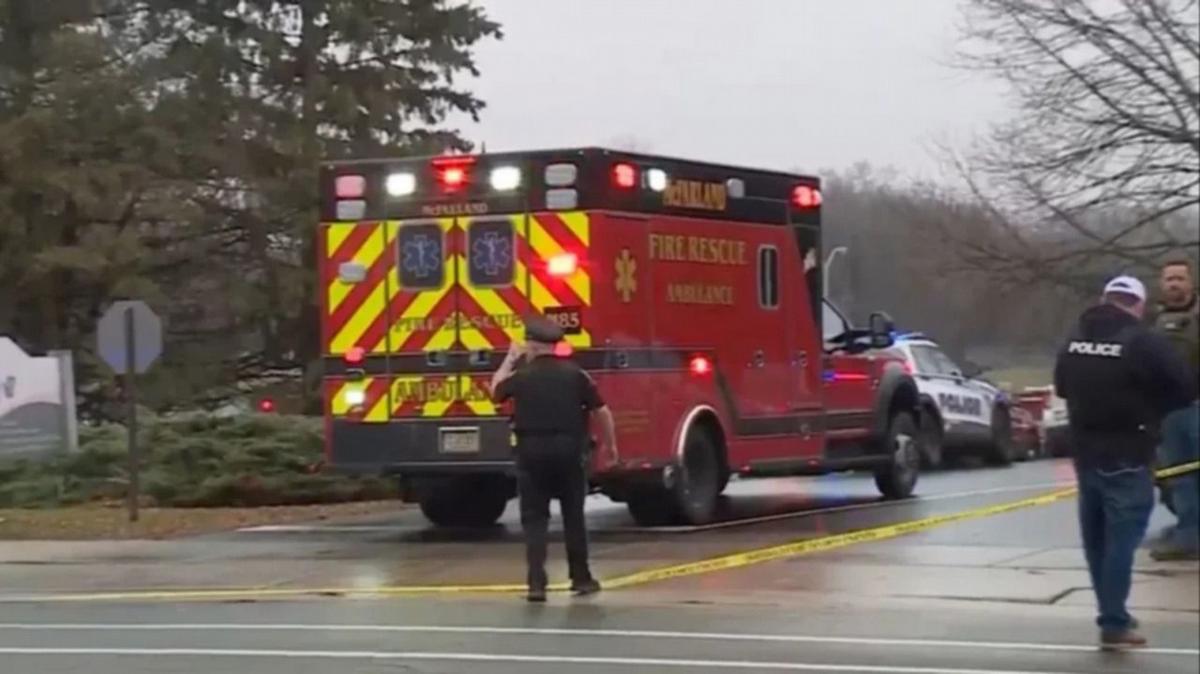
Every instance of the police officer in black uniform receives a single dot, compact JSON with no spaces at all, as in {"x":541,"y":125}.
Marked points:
{"x":1119,"y":379}
{"x":554,"y":399}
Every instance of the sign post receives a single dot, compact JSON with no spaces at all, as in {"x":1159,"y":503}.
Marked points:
{"x":135,"y":486}
{"x":129,"y":339}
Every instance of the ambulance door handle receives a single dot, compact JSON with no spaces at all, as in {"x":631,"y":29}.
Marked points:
{"x":760,"y":358}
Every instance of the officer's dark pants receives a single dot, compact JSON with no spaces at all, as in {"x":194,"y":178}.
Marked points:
{"x":552,"y":467}
{"x":1114,"y":511}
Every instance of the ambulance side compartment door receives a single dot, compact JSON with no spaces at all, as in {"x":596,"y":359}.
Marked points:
{"x":620,"y":323}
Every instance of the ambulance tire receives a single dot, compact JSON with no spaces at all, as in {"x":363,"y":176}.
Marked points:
{"x":1001,"y":447}
{"x":692,"y":498}
{"x":651,"y":508}
{"x":897,"y":478}
{"x":475,"y":501}
{"x":699,"y":484}
{"x":723,"y":483}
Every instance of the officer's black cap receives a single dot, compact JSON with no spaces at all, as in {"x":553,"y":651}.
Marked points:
{"x":541,"y":329}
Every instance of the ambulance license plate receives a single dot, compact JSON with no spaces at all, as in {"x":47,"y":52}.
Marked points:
{"x":460,"y":440}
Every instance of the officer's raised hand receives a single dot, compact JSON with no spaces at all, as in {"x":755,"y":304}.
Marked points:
{"x":516,"y":350}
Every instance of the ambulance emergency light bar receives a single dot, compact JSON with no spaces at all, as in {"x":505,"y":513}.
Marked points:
{"x":451,"y":174}
{"x":650,"y":183}
{"x":625,"y":176}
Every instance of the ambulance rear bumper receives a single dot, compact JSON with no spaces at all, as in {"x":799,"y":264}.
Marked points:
{"x":417,"y":447}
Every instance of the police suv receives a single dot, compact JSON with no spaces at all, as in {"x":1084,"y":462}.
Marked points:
{"x":960,"y":413}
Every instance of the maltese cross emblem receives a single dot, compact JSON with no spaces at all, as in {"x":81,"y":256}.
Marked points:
{"x":626,"y":275}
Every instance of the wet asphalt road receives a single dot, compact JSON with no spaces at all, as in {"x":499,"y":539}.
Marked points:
{"x":598,"y":635}
{"x":997,"y":595}
{"x":402,"y":549}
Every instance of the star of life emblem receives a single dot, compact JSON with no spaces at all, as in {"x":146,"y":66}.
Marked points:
{"x":422,"y":256}
{"x":492,"y":253}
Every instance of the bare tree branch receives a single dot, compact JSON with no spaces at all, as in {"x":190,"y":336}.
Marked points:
{"x":1105,"y":146}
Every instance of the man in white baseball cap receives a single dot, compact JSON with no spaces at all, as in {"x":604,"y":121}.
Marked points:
{"x":1130,"y":286}
{"x":1119,"y":378}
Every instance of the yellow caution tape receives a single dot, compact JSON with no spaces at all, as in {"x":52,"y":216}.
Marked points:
{"x":743,"y":559}
{"x":721,"y":563}
{"x":1176,"y":471}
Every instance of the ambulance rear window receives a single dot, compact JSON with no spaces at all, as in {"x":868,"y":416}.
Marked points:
{"x":422,"y":262}
{"x":492,"y":253}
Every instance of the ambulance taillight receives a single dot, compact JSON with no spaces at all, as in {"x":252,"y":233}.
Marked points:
{"x":355,"y":355}
{"x":700,"y":365}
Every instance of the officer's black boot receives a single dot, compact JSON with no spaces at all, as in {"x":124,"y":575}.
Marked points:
{"x":536,"y":577}
{"x":584,"y":588}
{"x":537,"y":581}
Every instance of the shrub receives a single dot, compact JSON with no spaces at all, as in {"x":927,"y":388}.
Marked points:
{"x":199,"y":461}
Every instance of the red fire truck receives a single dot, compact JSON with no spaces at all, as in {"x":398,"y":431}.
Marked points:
{"x":691,"y":291}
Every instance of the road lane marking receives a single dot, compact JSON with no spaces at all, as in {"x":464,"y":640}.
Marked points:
{"x":267,"y":593}
{"x":506,"y":658}
{"x":554,"y":631}
{"x":720,"y":563}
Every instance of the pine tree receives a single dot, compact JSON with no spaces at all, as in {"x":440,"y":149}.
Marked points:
{"x":293,"y":82}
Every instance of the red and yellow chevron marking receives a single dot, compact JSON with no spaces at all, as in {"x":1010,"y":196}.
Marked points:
{"x":541,"y":236}
{"x":375,"y":406}
{"x":380,"y":316}
{"x":420,"y":319}
{"x":352,"y":308}
{"x":357,"y":314}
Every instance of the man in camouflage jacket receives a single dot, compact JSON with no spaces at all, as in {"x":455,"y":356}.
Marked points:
{"x":1178,"y":318}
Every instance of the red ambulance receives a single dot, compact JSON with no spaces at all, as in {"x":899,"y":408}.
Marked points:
{"x":690,"y":291}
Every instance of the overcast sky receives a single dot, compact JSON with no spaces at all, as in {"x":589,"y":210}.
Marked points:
{"x":786,"y":84}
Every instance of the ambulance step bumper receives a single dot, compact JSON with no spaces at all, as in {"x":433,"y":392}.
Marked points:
{"x":415,"y":447}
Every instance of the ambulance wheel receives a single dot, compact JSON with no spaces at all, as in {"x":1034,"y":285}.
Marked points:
{"x":692,"y":496}
{"x":651,"y":508}
{"x":698,"y":482}
{"x":723,"y":483}
{"x":474,"y":501}
{"x":1000,"y":449}
{"x":897,"y":478}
